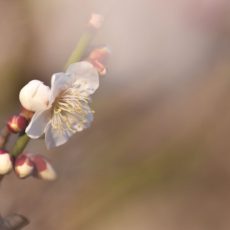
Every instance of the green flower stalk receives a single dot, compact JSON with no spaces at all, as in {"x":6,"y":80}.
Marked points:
{"x":20,"y":145}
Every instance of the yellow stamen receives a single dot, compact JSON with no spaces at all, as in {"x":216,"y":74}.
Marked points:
{"x":69,"y":110}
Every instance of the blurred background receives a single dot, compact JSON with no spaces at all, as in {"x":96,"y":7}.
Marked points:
{"x":158,"y":153}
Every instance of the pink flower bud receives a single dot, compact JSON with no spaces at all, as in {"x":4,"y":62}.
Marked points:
{"x":98,"y":57}
{"x":17,"y":124}
{"x":5,"y":162}
{"x":23,"y":166}
{"x":43,"y":168}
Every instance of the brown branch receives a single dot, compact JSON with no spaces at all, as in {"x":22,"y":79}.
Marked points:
{"x":4,"y":136}
{"x":13,"y":222}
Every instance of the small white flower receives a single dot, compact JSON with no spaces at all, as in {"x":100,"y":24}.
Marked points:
{"x":34,"y":96}
{"x":68,"y":111}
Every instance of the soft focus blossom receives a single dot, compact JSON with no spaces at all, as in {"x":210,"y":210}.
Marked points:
{"x":68,"y":111}
{"x":44,"y":169}
{"x":96,"y":21}
{"x":34,"y":96}
{"x":5,"y":162}
{"x":23,"y":166}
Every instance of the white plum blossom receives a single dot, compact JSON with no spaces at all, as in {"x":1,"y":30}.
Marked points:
{"x":68,"y":108}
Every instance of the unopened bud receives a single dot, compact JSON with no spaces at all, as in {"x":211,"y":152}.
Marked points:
{"x":23,"y":166}
{"x":43,"y":168}
{"x":5,"y":162}
{"x":17,"y":124}
{"x":98,"y":57}
{"x":35,"y":96}
{"x":96,"y":21}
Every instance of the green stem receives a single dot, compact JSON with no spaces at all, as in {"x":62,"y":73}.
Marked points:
{"x":81,"y":47}
{"x":20,"y":145}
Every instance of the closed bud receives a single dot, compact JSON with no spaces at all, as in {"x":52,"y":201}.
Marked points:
{"x":98,"y":57}
{"x":44,"y":169}
{"x":5,"y":162}
{"x":23,"y":166}
{"x":35,"y":96}
{"x":17,"y":124}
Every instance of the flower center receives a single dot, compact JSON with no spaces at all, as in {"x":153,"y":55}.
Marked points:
{"x":70,"y":110}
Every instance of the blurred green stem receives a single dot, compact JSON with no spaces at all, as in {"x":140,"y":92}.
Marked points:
{"x":80,"y":49}
{"x":20,"y":145}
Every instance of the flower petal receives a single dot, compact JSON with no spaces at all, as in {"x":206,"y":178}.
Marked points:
{"x":89,"y":116}
{"x":85,"y":76}
{"x":59,"y":82}
{"x":38,"y":123}
{"x":81,"y":122}
{"x":54,"y":138}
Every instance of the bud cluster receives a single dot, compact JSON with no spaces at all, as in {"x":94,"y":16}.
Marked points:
{"x":26,"y":165}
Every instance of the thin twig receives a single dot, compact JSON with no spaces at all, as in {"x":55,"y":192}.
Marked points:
{"x":4,"y":136}
{"x":13,"y":222}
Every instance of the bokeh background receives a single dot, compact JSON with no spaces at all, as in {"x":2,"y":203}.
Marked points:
{"x":157,"y":156}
